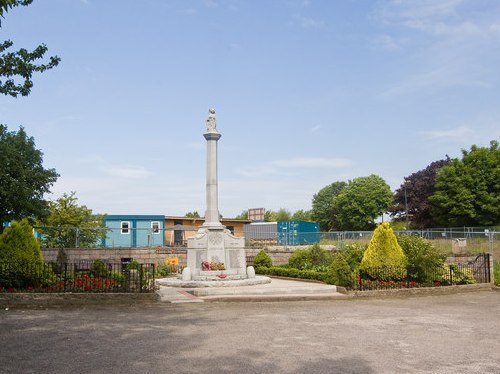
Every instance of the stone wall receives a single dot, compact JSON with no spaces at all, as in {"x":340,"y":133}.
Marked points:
{"x":115,"y":255}
{"x":279,"y":254}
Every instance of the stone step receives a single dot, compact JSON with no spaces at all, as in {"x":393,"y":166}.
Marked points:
{"x":250,"y":290}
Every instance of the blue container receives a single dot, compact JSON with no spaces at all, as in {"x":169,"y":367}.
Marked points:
{"x":298,"y":232}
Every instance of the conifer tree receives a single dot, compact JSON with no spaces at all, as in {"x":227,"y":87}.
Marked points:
{"x":384,"y":258}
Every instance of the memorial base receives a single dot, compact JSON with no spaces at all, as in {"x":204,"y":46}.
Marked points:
{"x":216,"y":246}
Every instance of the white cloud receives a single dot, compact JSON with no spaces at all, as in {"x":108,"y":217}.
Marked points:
{"x":315,"y":128}
{"x":445,"y":18}
{"x":283,"y":167}
{"x":451,"y":42}
{"x":459,"y":133}
{"x":415,"y":13}
{"x":446,"y":75}
{"x":128,"y":172}
{"x":309,"y":23}
{"x":313,"y":162}
{"x":111,"y":196}
{"x":386,"y":42}
{"x":210,"y":3}
{"x":190,"y":11}
{"x":257,"y":172}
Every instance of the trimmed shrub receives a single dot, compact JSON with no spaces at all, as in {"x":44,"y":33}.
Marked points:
{"x":292,"y":273}
{"x":18,"y":244}
{"x":384,"y":256}
{"x":262,"y":259}
{"x":319,"y":256}
{"x":99,"y":269}
{"x":422,"y":257}
{"x":340,"y":273}
{"x":300,"y":260}
{"x":133,"y":265}
{"x":20,"y":258}
{"x":353,"y":254}
{"x":314,"y":258}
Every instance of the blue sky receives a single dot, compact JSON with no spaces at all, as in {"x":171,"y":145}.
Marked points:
{"x":307,"y":93}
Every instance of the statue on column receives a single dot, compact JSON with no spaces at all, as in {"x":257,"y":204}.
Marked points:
{"x":211,"y":125}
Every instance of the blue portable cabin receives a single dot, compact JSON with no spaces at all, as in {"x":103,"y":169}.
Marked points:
{"x":298,"y":232}
{"x":134,"y":230}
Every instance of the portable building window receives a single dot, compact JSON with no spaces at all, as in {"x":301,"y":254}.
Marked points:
{"x":125,"y":226}
{"x":155,"y":226}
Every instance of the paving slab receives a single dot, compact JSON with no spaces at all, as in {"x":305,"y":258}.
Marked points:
{"x":276,"y":290}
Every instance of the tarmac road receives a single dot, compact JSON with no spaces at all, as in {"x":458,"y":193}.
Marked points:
{"x":457,"y":333}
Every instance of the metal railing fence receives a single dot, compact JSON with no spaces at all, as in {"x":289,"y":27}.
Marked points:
{"x":83,"y":276}
{"x":470,"y":272}
{"x":482,"y":239}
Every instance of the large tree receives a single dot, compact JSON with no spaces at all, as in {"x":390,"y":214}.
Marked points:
{"x":361,"y":202}
{"x":301,"y":215}
{"x":17,"y":67}
{"x":411,"y":200}
{"x":70,"y":225}
{"x":242,"y":215}
{"x":468,"y":190}
{"x":281,"y":215}
{"x":23,"y":179}
{"x":323,"y":206}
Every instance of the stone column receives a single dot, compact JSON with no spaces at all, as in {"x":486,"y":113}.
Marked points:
{"x":212,"y":219}
{"x":213,"y":242}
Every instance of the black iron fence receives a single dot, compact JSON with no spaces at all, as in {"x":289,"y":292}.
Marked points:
{"x":84,"y":276}
{"x":477,"y":270}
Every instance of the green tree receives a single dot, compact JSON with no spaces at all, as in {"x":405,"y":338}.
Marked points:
{"x":359,"y":204}
{"x":23,"y":179}
{"x":301,"y":215}
{"x":384,"y":258}
{"x":323,"y":207}
{"x":5,"y":5}
{"x":242,"y":215}
{"x":414,"y":194}
{"x":468,"y":190}
{"x":19,"y":65}
{"x":194,"y":214}
{"x":70,"y":225}
{"x":281,"y":215}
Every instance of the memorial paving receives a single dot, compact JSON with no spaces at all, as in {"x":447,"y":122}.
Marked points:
{"x":432,"y":334}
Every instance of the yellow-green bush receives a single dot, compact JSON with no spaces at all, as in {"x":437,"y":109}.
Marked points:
{"x":20,"y":257}
{"x":384,"y":258}
{"x":18,"y":244}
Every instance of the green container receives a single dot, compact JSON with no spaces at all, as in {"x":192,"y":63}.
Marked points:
{"x":298,"y":232}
